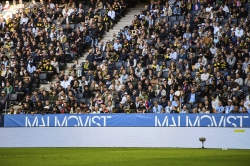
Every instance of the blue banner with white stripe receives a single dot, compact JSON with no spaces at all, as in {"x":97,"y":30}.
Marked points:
{"x":128,"y":120}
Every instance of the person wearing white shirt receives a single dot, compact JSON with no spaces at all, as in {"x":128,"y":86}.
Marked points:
{"x":239,"y":31}
{"x":225,"y":8}
{"x":124,"y":98}
{"x":197,"y":65}
{"x":65,"y":82}
{"x":245,"y":64}
{"x":229,"y":107}
{"x":168,"y":109}
{"x":213,"y":49}
{"x":238,"y":79}
{"x":209,"y":7}
{"x":66,"y":12}
{"x":51,"y":5}
{"x":215,"y":102}
{"x":24,"y":19}
{"x":173,"y":55}
{"x":204,"y":75}
{"x":31,"y":68}
{"x":111,"y":14}
{"x":217,"y":27}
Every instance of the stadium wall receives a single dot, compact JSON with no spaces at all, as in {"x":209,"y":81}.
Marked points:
{"x":183,"y":137}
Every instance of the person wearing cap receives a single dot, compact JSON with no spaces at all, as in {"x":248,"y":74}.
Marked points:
{"x":8,"y":43}
{"x":229,"y":107}
{"x":120,"y":108}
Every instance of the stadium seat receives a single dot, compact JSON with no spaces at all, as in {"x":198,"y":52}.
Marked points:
{"x":172,"y":18}
{"x":236,"y":94}
{"x":81,"y":100}
{"x":79,"y":96}
{"x":245,"y":88}
{"x":53,"y":22}
{"x":165,"y":18}
{"x":224,"y":21}
{"x":12,"y":98}
{"x":189,"y":106}
{"x":154,"y":99}
{"x":246,"y":5}
{"x":193,"y":73}
{"x":118,"y":64}
{"x":193,"y":12}
{"x":125,"y":64}
{"x":202,"y":99}
{"x":195,"y":105}
{"x":63,"y":26}
{"x":43,"y":76}
{"x":165,"y":74}
{"x":203,"y":83}
{"x":202,"y":88}
{"x":169,"y":23}
{"x":234,"y":20}
{"x":180,"y":18}
{"x":103,"y":11}
{"x":159,"y":63}
{"x":176,"y":22}
{"x":72,"y":26}
{"x":86,"y":8}
{"x":150,"y":111}
{"x":104,"y":54}
{"x":78,"y":25}
{"x":198,"y":93}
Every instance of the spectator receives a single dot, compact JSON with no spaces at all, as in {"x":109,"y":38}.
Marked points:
{"x":184,"y":110}
{"x":192,"y":97}
{"x":157,"y":108}
{"x":4,"y":99}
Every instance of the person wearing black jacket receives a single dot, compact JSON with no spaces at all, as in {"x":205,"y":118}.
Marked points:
{"x":150,"y":92}
{"x":27,"y":85}
{"x":35,"y":80}
{"x":174,"y":110}
{"x":87,"y":92}
{"x":95,"y":34}
{"x":20,"y":91}
{"x":27,"y":109}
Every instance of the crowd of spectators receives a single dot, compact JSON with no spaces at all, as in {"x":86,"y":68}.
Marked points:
{"x":39,"y":38}
{"x":176,"y":57}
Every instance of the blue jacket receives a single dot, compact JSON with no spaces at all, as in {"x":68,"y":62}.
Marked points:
{"x":182,"y":57}
{"x":88,"y":40}
{"x":186,"y":87}
{"x":196,"y":98}
{"x":91,"y":58}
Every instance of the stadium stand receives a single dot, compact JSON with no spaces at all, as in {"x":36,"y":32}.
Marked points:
{"x":175,"y":57}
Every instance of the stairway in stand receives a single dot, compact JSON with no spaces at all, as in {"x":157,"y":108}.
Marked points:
{"x":127,"y":20}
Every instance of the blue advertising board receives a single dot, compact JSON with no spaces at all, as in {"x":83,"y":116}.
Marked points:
{"x":128,"y":120}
